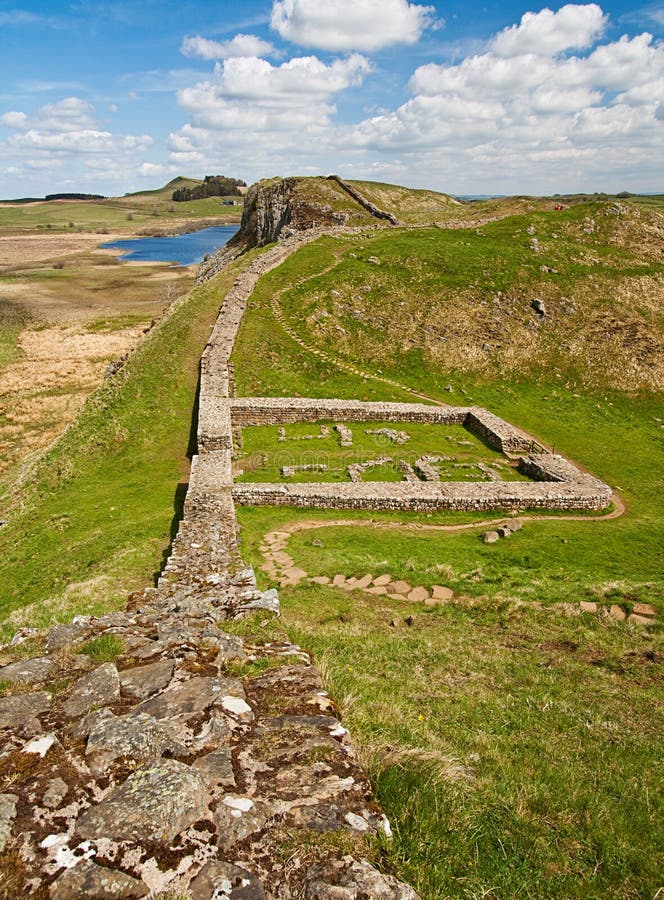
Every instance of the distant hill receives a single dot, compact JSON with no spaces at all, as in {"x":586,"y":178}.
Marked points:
{"x":166,"y":191}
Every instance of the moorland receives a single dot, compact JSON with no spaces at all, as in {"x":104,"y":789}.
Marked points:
{"x":512,"y":736}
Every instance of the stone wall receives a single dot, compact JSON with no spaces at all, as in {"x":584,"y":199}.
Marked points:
{"x":428,"y":496}
{"x":175,"y":769}
{"x":290,"y":410}
{"x":359,"y":197}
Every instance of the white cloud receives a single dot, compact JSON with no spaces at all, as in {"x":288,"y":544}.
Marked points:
{"x":66,"y":137}
{"x":150,"y":169}
{"x":340,"y":25}
{"x":17,"y":120}
{"x":248,"y":96}
{"x":509,"y":112}
{"x":240,"y":45}
{"x":547,"y":33}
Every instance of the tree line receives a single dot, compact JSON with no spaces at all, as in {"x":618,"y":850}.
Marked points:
{"x":212,"y":186}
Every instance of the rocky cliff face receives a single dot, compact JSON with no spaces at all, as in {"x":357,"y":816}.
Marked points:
{"x":279,"y":208}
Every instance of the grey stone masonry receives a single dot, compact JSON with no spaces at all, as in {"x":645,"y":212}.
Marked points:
{"x":428,"y":496}
{"x":289,"y":410}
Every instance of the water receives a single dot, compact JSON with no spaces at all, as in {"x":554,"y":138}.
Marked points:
{"x":182,"y":249}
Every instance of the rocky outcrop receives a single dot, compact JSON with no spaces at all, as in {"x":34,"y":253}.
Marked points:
{"x":279,"y":208}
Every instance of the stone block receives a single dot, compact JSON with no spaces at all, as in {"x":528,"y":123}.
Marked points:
{"x":399,"y":587}
{"x":418,"y":595}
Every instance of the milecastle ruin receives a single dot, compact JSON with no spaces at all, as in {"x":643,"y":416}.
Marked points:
{"x":196,"y":762}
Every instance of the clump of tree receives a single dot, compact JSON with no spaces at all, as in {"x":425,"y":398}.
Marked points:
{"x":213,"y":186}
{"x":74,"y":197}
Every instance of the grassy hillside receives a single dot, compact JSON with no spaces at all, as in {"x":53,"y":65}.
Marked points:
{"x":143,"y":212}
{"x":574,"y":295}
{"x":92,"y":521}
{"x":166,"y":192}
{"x":410,"y":205}
{"x":511,"y":744}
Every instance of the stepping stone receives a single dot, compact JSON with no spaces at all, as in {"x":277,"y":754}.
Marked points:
{"x":351,"y":584}
{"x":418,"y":595}
{"x":294,"y":574}
{"x":639,"y":620}
{"x":283,"y":559}
{"x":364,"y":582}
{"x":399,"y":587}
{"x":378,"y":591}
{"x":618,"y":613}
{"x":434,"y":601}
{"x":644,"y":609}
{"x":399,"y":597}
{"x":439,"y":592}
{"x":339,"y":580}
{"x":320,"y":579}
{"x":588,"y":606}
{"x":382,"y":580}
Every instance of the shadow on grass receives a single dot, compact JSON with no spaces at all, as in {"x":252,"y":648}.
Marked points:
{"x":181,"y":490}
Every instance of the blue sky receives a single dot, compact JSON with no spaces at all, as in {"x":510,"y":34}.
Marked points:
{"x":462,"y":97}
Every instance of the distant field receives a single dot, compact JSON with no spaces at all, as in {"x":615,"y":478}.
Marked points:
{"x":137,"y":213}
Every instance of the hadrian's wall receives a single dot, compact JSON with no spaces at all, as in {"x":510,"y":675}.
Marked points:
{"x":164,"y":772}
{"x":159,"y":773}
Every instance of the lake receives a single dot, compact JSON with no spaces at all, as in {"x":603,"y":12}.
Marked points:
{"x":181,"y":249}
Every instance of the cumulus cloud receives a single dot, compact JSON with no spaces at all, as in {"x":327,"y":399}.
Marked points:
{"x":340,"y":25}
{"x":547,"y":33}
{"x":252,"y":94}
{"x":240,"y":45}
{"x":546,"y":106}
{"x":66,"y":136}
{"x":526,"y":102}
{"x":252,"y":112}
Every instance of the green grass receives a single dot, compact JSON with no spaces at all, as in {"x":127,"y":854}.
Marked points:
{"x":457,"y":304}
{"x":94,"y":519}
{"x":513,"y":748}
{"x":135,"y":213}
{"x":103,"y":649}
{"x":263,"y":454}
